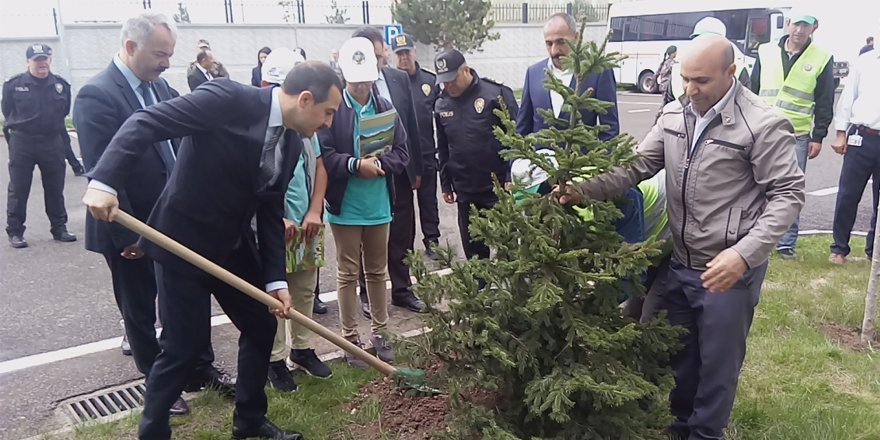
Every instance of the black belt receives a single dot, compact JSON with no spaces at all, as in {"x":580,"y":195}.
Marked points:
{"x":867,"y":130}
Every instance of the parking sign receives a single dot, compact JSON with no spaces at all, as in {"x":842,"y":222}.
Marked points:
{"x":391,"y":31}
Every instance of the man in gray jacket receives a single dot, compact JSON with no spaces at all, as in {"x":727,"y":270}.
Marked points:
{"x":733,"y":188}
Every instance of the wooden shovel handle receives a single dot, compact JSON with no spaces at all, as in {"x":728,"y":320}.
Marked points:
{"x":248,"y":289}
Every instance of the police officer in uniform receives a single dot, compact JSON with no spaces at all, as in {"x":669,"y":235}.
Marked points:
{"x":35,"y":104}
{"x":425,"y":90}
{"x":467,"y":148}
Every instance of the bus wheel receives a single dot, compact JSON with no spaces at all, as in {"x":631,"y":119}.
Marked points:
{"x":646,"y":82}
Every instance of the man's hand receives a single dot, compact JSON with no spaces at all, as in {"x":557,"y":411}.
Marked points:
{"x":369,"y":168}
{"x":312,"y":225}
{"x":132,"y":252}
{"x":839,"y":144}
{"x":290,"y":230}
{"x":568,"y":195}
{"x":815,"y":148}
{"x":102,"y":205}
{"x":449,"y":197}
{"x":724,"y":271}
{"x":282,"y":295}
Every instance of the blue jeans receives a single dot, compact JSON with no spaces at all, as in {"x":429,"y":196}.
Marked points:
{"x":802,"y":148}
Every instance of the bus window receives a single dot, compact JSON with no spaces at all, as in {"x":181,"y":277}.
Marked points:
{"x":759,"y":33}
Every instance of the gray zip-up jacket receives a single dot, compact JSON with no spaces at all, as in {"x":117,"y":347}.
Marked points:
{"x":740,"y":186}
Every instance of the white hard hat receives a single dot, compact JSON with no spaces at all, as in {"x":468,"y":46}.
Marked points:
{"x":709,"y":25}
{"x":278,"y":64}
{"x":357,"y":60}
{"x":524,"y":172}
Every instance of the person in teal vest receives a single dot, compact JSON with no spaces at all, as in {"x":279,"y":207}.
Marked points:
{"x":795,"y":76}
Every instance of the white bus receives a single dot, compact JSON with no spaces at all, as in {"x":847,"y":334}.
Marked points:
{"x":642,"y":30}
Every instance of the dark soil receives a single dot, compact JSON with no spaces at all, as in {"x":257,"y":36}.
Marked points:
{"x":400,"y":417}
{"x":848,"y":337}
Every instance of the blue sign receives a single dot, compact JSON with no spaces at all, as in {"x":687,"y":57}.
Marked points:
{"x":391,"y":31}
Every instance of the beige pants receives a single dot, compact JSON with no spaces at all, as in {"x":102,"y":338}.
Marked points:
{"x":290,"y":335}
{"x":350,"y":240}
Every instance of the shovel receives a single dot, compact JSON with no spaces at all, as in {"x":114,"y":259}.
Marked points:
{"x":410,"y":378}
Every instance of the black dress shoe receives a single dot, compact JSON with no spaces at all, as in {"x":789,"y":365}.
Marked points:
{"x":214,"y":379}
{"x":179,"y":408}
{"x":431,"y":254}
{"x":365,"y":308}
{"x":17,"y":242}
{"x":411,"y":303}
{"x":280,"y":377}
{"x":318,"y":307}
{"x":64,"y":236}
{"x":266,"y":430}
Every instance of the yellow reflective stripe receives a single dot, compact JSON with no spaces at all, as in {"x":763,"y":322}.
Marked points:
{"x":798,"y":94}
{"x":768,"y":92}
{"x":790,"y":106}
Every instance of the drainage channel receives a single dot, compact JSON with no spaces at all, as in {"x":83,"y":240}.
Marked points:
{"x":106,"y":404}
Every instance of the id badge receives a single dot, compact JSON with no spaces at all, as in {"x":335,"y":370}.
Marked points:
{"x":855,"y":140}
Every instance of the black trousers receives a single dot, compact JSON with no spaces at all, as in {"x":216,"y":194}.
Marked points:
{"x":185,"y":307}
{"x":859,"y":165}
{"x":714,"y":347}
{"x":25,"y":152}
{"x":401,"y":236}
{"x":480,"y":201}
{"x":134,"y":287}
{"x":429,"y":214}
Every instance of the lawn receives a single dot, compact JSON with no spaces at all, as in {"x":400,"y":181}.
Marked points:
{"x":796,"y":384}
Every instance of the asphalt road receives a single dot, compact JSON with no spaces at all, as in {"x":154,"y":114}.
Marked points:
{"x":57,"y":297}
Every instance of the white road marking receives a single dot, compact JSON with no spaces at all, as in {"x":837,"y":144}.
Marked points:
{"x":639,"y":102}
{"x":73,"y":134}
{"x":40,"y":359}
{"x":639,"y":110}
{"x":823,"y":192}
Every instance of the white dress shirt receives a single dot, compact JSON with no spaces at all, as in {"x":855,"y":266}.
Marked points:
{"x":704,"y":120}
{"x":205,"y":72}
{"x":382,"y":85}
{"x":564,"y":76}
{"x":859,"y":103}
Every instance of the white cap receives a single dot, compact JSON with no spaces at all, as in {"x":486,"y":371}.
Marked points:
{"x":278,"y":64}
{"x":709,"y":25}
{"x":524,"y":172}
{"x":800,"y":14}
{"x":358,"y":61}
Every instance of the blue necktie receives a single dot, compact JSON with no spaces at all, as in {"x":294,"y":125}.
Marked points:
{"x":147,"y":93}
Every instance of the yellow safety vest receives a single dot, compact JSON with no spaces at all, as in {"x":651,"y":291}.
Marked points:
{"x":793,"y":95}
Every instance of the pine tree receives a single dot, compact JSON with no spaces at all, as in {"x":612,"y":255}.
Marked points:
{"x":460,"y":24}
{"x":546,"y":335}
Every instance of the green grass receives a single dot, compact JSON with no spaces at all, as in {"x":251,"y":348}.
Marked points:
{"x":316,"y":409}
{"x":796,"y":383}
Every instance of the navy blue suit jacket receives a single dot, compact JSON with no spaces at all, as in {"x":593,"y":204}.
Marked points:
{"x":214,"y":190}
{"x":102,"y":105}
{"x":535,"y":96}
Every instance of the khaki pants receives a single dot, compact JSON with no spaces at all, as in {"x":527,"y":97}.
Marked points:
{"x":290,"y":335}
{"x":350,"y":242}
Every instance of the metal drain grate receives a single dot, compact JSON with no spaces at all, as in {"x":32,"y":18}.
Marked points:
{"x":106,"y":403}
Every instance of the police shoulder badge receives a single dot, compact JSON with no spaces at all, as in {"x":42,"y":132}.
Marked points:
{"x":59,"y":87}
{"x":426,"y":89}
{"x":479,"y":105}
{"x":808,"y":67}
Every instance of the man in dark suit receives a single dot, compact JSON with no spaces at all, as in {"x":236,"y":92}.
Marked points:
{"x":131,"y":82}
{"x":559,"y":30}
{"x":232,"y":166}
{"x":393,"y":85}
{"x":202,"y":72}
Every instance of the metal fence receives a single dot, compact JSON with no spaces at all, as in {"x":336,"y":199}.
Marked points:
{"x":526,"y":12}
{"x":25,"y":21}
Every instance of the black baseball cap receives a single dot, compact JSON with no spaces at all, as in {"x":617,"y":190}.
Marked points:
{"x":402,"y":42}
{"x":38,"y":50}
{"x":446,"y":64}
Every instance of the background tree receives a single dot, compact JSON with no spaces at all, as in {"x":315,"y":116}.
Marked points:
{"x":339,"y":16}
{"x":461,"y":24}
{"x":546,"y":335}
{"x":182,"y":15}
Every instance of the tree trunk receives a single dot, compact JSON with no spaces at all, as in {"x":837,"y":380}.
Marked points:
{"x":871,"y":297}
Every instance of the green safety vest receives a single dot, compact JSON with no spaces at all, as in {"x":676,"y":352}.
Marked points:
{"x":792,"y":95}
